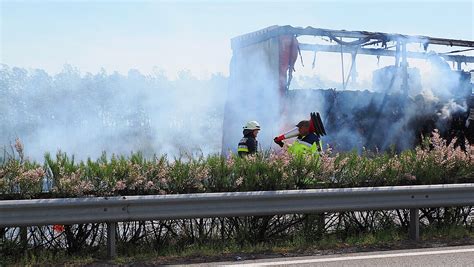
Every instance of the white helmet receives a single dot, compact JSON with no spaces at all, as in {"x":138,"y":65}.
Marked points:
{"x":252,"y":125}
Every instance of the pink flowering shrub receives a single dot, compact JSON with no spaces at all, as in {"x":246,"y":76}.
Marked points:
{"x":436,"y":161}
{"x":22,"y":178}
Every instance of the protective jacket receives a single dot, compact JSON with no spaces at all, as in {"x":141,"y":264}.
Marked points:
{"x":309,"y":144}
{"x":248,"y":144}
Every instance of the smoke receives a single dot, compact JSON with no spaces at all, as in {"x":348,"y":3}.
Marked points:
{"x":451,"y":108}
{"x":253,"y":94}
{"x":87,"y":114}
{"x":383,"y":116}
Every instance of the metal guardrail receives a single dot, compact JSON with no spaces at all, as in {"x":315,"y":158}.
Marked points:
{"x":159,"y":207}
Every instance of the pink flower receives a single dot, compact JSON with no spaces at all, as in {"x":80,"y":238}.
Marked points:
{"x":19,"y":147}
{"x":409,"y":177}
{"x":163,"y":181}
{"x":149,"y":184}
{"x":230,"y":161}
{"x":83,"y":187}
{"x":120,"y":185}
{"x":162,"y":173}
{"x":251,"y":158}
{"x":32,"y":176}
{"x":239,"y":181}
{"x":202,"y":173}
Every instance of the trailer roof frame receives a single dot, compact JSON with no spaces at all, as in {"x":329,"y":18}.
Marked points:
{"x":274,"y":31}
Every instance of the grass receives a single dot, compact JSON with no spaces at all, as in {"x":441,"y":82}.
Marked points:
{"x":395,"y":238}
{"x":454,"y":232}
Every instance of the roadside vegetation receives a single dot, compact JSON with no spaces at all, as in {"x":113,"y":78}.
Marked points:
{"x":434,"y":162}
{"x":231,"y":251}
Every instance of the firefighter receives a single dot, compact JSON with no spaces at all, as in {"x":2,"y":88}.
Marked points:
{"x":307,"y":142}
{"x":249,"y":144}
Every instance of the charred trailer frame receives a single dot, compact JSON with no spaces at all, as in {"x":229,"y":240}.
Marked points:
{"x":261,"y":71}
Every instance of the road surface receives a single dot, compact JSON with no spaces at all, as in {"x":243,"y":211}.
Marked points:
{"x":446,"y":256}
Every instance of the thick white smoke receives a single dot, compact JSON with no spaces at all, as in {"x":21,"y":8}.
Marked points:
{"x":436,"y":93}
{"x":253,"y":94}
{"x":86,"y":114}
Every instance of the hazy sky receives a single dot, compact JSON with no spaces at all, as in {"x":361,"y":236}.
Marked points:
{"x":194,"y":35}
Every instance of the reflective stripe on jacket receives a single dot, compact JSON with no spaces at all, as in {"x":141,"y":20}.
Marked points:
{"x":248,"y":144}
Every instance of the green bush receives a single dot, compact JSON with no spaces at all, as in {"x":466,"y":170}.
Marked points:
{"x":433,"y":162}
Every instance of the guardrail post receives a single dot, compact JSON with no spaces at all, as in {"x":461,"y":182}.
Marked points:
{"x":321,"y":224}
{"x":111,"y":246}
{"x":414,"y":224}
{"x":24,"y":237}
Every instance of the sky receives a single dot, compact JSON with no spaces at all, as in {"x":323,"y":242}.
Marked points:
{"x":193,"y":35}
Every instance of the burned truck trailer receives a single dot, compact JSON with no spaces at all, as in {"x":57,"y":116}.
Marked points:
{"x":395,"y":113}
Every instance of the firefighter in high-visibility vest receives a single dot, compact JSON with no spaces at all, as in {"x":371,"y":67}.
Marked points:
{"x":249,"y":144}
{"x":307,"y":142}
{"x":308,"y":134}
